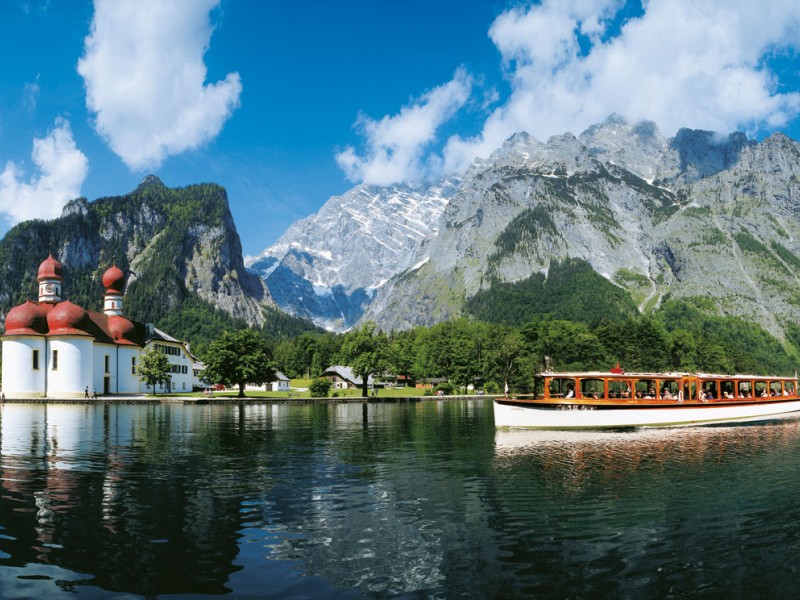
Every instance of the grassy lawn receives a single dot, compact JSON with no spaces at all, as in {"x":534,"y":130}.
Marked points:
{"x":296,"y":385}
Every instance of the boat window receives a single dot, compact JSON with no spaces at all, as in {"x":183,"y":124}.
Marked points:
{"x":646,"y":388}
{"x":592,"y":388}
{"x":710,"y":390}
{"x":562,"y":387}
{"x":619,"y":388}
{"x":762,"y":389}
{"x":669,"y":389}
{"x":788,"y":388}
{"x":745,"y":389}
{"x":727,"y":389}
{"x":690,"y":389}
{"x":775,"y":388}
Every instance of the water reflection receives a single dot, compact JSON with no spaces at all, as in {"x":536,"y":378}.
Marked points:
{"x":663,"y":512}
{"x":419,"y":499}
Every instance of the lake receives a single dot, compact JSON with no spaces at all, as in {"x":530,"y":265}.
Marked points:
{"x":407,"y":499}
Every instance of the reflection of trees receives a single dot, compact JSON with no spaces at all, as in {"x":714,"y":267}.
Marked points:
{"x":90,"y":493}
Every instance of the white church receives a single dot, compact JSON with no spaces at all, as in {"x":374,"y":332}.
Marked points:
{"x":56,"y":349}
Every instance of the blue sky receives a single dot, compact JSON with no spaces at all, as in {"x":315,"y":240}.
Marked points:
{"x":287,"y":103}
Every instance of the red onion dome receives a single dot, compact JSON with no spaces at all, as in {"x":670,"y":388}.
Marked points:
{"x":67,"y":318}
{"x":121,"y":329}
{"x":26,"y":319}
{"x":49,"y":269}
{"x":114,"y":279}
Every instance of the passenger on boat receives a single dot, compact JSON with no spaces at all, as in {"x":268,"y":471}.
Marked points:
{"x":666,"y":395}
{"x":570,"y":393}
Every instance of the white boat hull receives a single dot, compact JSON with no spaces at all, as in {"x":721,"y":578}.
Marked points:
{"x":575,"y":417}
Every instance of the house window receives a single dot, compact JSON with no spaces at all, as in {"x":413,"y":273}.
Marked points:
{"x":133,"y":365}
{"x":55,"y":360}
{"x":108,"y":364}
{"x":35,"y":360}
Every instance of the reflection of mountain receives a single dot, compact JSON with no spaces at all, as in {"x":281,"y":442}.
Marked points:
{"x":377,"y":506}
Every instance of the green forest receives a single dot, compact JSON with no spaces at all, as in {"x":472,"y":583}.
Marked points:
{"x":679,"y":336}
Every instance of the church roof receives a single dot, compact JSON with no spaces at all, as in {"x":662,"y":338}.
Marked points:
{"x":66,"y":318}
{"x":49,"y":269}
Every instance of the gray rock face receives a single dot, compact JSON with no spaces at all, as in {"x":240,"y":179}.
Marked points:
{"x":696,"y":215}
{"x":327,"y":267}
{"x":700,"y":214}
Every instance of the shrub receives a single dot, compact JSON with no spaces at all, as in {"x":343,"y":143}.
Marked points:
{"x":446,"y":387}
{"x":319,"y":387}
{"x":491,"y":387}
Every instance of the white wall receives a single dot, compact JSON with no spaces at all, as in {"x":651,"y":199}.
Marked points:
{"x":74,"y":370}
{"x":19,"y":380}
{"x":128,"y":382}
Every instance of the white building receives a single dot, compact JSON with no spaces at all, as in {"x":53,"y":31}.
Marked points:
{"x":54,"y":348}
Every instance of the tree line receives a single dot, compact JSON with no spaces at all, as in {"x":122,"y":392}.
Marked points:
{"x":680,"y":336}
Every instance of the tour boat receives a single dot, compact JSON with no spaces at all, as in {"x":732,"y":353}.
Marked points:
{"x":577,"y":400}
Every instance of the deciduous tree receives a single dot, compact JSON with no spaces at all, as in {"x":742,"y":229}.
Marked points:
{"x":238,"y":358}
{"x":153,"y":367}
{"x":366,"y":351}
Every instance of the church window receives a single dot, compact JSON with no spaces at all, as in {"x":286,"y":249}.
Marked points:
{"x":108,"y":364}
{"x":35,"y":360}
{"x":133,"y":365}
{"x":55,"y":360}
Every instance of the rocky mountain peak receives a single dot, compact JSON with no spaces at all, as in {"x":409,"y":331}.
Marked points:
{"x":150,"y":181}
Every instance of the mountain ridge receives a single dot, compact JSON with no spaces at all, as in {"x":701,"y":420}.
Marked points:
{"x":657,"y":216}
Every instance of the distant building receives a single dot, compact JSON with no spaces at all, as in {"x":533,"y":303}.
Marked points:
{"x":280,"y":383}
{"x":343,"y":378}
{"x":54,"y":348}
{"x":182,"y":363}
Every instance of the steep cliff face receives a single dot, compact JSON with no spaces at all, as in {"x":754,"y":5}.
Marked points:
{"x":175,"y":244}
{"x":327,"y":267}
{"x":696,"y":215}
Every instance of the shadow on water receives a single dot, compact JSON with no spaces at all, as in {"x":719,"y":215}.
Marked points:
{"x":411,"y":500}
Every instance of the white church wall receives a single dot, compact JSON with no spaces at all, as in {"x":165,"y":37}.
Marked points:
{"x":73,"y":367}
{"x":21,"y":377}
{"x":128,"y":363}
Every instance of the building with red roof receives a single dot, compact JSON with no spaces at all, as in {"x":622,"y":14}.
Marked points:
{"x":54,"y":348}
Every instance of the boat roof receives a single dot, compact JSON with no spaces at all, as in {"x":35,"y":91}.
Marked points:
{"x":664,"y":375}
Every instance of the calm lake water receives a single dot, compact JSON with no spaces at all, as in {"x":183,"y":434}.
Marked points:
{"x":413,"y":500}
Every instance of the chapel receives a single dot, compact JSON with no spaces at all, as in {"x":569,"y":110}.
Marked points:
{"x":56,"y":349}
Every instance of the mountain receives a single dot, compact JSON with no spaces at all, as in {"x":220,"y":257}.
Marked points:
{"x":326,"y":268}
{"x":178,"y":246}
{"x":697,"y":216}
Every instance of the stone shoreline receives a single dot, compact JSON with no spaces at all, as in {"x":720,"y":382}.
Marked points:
{"x":230,"y":400}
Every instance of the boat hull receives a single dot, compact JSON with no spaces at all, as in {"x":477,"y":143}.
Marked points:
{"x":565,"y":416}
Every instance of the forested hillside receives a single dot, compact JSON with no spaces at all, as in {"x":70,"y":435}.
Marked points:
{"x":178,"y":247}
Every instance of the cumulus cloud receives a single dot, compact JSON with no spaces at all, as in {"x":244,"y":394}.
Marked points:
{"x":145,"y":77}
{"x":397,"y":145}
{"x":62,"y":170}
{"x":682,"y":64}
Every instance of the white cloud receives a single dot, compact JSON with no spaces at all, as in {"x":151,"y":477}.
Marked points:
{"x":396,"y":145}
{"x":62,"y":167}
{"x":682,"y":64}
{"x":145,"y":78}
